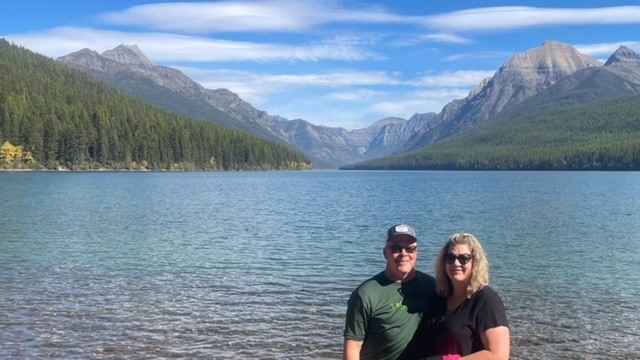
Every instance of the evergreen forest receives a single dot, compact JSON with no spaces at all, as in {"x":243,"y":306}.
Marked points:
{"x":56,"y":117}
{"x":602,"y":135}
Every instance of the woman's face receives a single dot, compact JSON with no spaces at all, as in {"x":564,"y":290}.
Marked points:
{"x":459,"y":264}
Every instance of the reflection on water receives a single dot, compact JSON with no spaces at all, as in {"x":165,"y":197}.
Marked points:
{"x":260,"y":265}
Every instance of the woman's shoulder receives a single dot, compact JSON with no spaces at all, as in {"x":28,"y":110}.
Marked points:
{"x":487,"y":294}
{"x":487,"y":291}
{"x":490,"y":308}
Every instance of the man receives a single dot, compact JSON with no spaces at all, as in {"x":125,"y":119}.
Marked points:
{"x":383,"y":313}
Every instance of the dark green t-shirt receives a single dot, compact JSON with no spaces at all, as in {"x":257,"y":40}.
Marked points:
{"x":385,"y":314}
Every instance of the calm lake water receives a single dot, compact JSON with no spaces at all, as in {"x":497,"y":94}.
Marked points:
{"x":259,"y":265}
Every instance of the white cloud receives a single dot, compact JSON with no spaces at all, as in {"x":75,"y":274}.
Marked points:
{"x":247,"y":16}
{"x":418,"y":40}
{"x":514,"y":17}
{"x":446,"y":38}
{"x":227,"y":16}
{"x":164,"y":47}
{"x":355,"y":95}
{"x":606,"y":49}
{"x":273,"y":82}
{"x":302,"y":16}
{"x":453,"y":79}
{"x":479,"y":56}
{"x":421,"y":101}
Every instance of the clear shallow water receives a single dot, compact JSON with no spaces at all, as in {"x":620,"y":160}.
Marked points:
{"x":260,"y":265}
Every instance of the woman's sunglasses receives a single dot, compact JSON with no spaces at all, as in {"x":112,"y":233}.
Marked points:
{"x":462,"y":258}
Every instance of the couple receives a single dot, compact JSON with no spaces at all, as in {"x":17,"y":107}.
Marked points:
{"x":402,"y":313}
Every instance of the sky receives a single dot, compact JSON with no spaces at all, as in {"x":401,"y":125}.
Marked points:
{"x":333,"y":63}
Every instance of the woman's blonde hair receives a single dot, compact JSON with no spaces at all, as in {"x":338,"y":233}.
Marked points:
{"x":480,"y":268}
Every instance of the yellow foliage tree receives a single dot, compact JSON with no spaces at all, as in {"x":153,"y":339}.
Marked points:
{"x":11,"y":155}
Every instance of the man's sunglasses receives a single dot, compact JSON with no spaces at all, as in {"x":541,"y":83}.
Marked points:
{"x":397,"y":249}
{"x":462,"y":258}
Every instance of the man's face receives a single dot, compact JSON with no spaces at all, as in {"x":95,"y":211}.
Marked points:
{"x":401,"y":253}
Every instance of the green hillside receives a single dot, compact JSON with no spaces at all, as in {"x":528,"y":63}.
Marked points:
{"x":64,"y":118}
{"x":163,"y":98}
{"x":603,"y":135}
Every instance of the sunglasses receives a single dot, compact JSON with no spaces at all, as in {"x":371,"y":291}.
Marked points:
{"x":449,"y":258}
{"x":397,"y":249}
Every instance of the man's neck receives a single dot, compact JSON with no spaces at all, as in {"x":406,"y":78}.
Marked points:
{"x":400,"y":277}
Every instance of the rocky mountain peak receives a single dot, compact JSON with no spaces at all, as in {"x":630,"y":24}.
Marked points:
{"x":561,"y":58}
{"x":522,"y":76}
{"x":623,"y":55}
{"x":129,"y":55}
{"x":625,"y":63}
{"x":387,"y":121}
{"x":84,"y":52}
{"x":84,"y":58}
{"x":527,"y":73}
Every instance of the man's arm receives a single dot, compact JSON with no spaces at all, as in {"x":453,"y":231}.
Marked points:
{"x":351,"y":350}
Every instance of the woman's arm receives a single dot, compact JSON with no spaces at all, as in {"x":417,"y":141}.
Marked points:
{"x":497,"y":344}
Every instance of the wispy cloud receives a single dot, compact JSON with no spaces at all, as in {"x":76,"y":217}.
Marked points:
{"x":432,"y":38}
{"x":333,"y":79}
{"x":248,"y":16}
{"x":355,"y":95}
{"x":516,"y":17}
{"x":168,"y":29}
{"x":606,"y":49}
{"x":478,"y":56}
{"x":166,"y":47}
{"x":434,"y":99}
{"x":452,"y":79}
{"x":302,"y":16}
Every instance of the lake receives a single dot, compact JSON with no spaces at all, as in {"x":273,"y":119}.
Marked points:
{"x":259,"y":265}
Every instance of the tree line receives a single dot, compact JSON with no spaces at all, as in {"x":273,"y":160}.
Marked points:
{"x":603,"y":135}
{"x":65,"y":119}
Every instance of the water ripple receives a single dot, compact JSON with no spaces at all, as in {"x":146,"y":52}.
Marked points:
{"x":260,"y":265}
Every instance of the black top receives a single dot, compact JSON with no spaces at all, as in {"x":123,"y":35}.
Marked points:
{"x":458,"y":330}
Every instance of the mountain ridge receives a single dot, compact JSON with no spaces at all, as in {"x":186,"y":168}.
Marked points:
{"x":127,"y":68}
{"x":66,"y":119}
{"x":521,"y":77}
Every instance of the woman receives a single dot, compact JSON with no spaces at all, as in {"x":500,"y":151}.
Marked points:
{"x":474,"y":325}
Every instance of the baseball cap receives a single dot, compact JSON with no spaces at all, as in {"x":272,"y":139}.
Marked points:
{"x":401,"y":230}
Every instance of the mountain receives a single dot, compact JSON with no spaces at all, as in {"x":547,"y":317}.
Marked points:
{"x":391,"y":137}
{"x":128,"y":69}
{"x":551,"y":75}
{"x":588,"y":119}
{"x":64,"y":118}
{"x":600,"y":135}
{"x":618,"y":77}
{"x":521,"y":77}
{"x":625,"y":63}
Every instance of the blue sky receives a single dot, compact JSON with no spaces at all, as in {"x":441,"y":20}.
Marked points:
{"x":335,"y":63}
